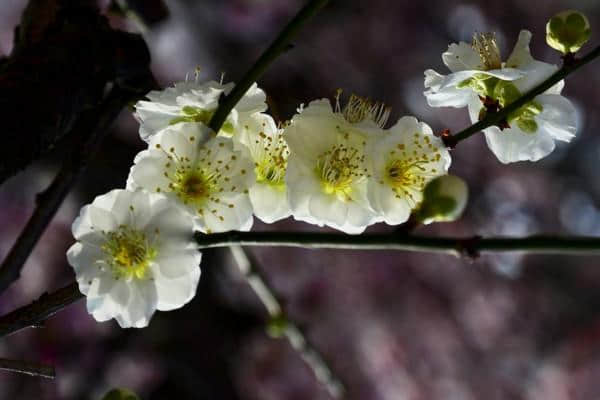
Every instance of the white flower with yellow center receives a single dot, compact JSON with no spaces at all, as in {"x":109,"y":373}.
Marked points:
{"x":327,"y":175}
{"x":135,"y":253}
{"x":203,"y":174}
{"x":402,"y":163}
{"x":269,"y":151}
{"x":195,"y":102}
{"x":479,"y":75}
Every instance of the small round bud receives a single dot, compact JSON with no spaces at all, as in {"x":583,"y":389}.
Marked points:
{"x":277,"y":326}
{"x":444,"y":200}
{"x":567,"y":31}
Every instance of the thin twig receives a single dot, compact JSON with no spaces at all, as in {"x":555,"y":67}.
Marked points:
{"x":285,"y":327}
{"x":279,"y":46}
{"x":494,"y":118}
{"x":539,"y":244}
{"x":49,"y":201}
{"x":28,"y":368}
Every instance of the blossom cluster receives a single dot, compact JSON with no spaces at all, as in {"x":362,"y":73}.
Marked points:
{"x":331,"y":165}
{"x":482,"y":82}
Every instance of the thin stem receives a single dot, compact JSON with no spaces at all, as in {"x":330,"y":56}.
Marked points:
{"x":28,"y":368}
{"x":496,"y":117}
{"x":279,"y":46}
{"x":282,"y":325}
{"x":49,"y":201}
{"x":539,"y":244}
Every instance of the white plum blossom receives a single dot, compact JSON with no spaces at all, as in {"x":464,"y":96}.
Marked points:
{"x":402,"y":162}
{"x":479,"y":77}
{"x":191,"y":101}
{"x":327,"y":175}
{"x":269,"y":152}
{"x":202,"y":173}
{"x":134,"y":254}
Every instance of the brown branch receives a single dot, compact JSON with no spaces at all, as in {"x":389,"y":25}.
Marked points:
{"x":34,"y":314}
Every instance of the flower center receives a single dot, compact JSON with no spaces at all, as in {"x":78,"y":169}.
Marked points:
{"x":487,"y":48}
{"x":269,"y":172}
{"x":504,"y":92}
{"x":407,"y":173}
{"x":272,"y":153}
{"x":194,"y":186}
{"x":199,"y":183}
{"x":338,"y":169}
{"x":128,"y":252}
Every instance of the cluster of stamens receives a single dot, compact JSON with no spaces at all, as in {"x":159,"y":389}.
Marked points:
{"x":339,"y":168}
{"x":270,"y":154}
{"x":128,"y":252}
{"x":198,"y":183}
{"x":358,"y":109}
{"x":407,"y":172}
{"x":486,"y":46}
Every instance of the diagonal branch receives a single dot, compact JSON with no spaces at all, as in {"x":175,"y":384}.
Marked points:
{"x":27,"y":368}
{"x":281,"y":325}
{"x":279,"y":46}
{"x":34,"y":314}
{"x":49,"y":201}
{"x":496,"y":117}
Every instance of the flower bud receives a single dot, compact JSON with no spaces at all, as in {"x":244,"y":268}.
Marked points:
{"x":567,"y":31}
{"x":444,"y":200}
{"x":277,"y":326}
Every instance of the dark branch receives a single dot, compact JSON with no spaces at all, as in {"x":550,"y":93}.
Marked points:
{"x":539,"y":244}
{"x":47,"y":305}
{"x":50,"y":200}
{"x":37,"y":312}
{"x":279,"y":46}
{"x":28,"y":368}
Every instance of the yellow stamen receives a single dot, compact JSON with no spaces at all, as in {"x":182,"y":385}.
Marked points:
{"x":339,"y":169}
{"x":407,"y":172}
{"x":486,"y":46}
{"x":358,"y":109}
{"x":128,"y":252}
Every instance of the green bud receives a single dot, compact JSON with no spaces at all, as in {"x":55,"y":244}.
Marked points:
{"x":567,"y":31}
{"x":120,"y":394}
{"x":277,"y":326}
{"x":444,"y":200}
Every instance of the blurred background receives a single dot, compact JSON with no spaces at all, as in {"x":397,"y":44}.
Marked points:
{"x":392,"y":325}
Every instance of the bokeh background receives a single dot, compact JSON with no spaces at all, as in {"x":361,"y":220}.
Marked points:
{"x":392,"y":325}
